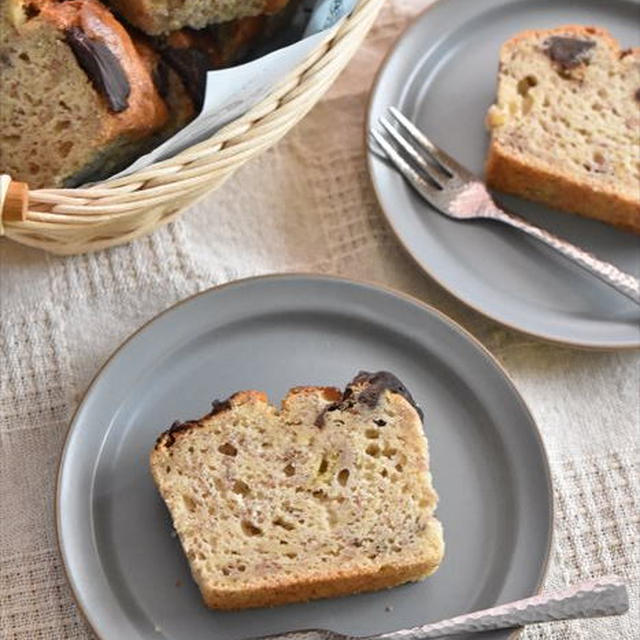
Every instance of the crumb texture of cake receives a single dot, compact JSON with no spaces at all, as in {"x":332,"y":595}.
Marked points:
{"x":76,"y":98}
{"x":156,"y":17}
{"x":329,"y":495}
{"x":565,"y":127}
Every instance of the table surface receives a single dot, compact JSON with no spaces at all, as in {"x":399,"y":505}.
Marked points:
{"x":305,"y":205}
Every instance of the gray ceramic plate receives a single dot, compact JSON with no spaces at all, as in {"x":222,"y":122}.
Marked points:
{"x":442,"y":74}
{"x":272,"y":333}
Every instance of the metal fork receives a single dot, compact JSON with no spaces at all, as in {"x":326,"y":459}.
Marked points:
{"x":459,"y":194}
{"x":603,"y":597}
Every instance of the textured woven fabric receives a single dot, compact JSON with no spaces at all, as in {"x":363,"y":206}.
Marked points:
{"x":289,"y":210}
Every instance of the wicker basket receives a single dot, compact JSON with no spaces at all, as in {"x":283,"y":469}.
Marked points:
{"x":69,"y":221}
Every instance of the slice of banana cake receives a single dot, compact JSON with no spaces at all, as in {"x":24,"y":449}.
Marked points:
{"x":565,"y":128}
{"x":329,"y":495}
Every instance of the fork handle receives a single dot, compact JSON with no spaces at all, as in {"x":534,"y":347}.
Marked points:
{"x":623,"y":282}
{"x":603,"y":597}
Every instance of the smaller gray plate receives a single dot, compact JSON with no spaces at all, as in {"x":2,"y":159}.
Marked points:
{"x":129,"y":574}
{"x":442,"y":74}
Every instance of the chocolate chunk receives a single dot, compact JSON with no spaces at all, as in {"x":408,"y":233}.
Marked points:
{"x":102,"y":67}
{"x":217,"y":406}
{"x":637,"y":95}
{"x":191,"y":65}
{"x":379,"y":382}
{"x":376,"y":384}
{"x":31,"y":11}
{"x":568,"y":52}
{"x":171,"y":433}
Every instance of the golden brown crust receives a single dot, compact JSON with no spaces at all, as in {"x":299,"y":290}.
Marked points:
{"x":333,"y":394}
{"x":508,"y":173}
{"x":533,"y":178}
{"x":169,"y":85}
{"x":339,"y":583}
{"x":168,"y":438}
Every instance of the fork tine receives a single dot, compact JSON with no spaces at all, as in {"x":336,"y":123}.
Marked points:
{"x":424,"y":188}
{"x":375,"y":148}
{"x":411,"y":152}
{"x":448,"y":164}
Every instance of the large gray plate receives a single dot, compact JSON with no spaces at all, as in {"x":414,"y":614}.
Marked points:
{"x":442,"y":74}
{"x":272,"y":333}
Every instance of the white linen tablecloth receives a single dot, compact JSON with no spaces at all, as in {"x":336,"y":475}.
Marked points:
{"x":289,"y":210}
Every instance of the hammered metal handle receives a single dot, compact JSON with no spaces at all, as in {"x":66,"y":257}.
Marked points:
{"x":603,"y":597}
{"x":623,"y":282}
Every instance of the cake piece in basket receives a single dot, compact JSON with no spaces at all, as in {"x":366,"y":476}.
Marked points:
{"x":77,"y":100}
{"x":191,"y":53}
{"x":156,"y":17}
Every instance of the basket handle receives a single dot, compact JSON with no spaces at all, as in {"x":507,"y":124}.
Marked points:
{"x":14,"y":199}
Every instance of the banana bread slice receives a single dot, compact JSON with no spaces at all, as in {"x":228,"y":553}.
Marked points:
{"x":76,"y":99}
{"x":327,"y":496}
{"x":565,"y":128}
{"x":156,"y":17}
